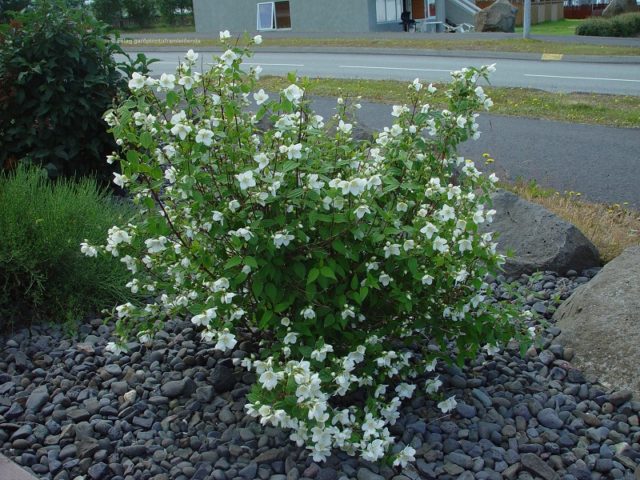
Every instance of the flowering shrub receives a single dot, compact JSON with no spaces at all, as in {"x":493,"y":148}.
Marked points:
{"x":344,"y":258}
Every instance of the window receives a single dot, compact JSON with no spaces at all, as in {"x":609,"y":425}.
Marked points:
{"x":388,"y":10}
{"x":272,"y":15}
{"x":423,"y":9}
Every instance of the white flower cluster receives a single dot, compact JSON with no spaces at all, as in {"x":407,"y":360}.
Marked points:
{"x":331,"y":251}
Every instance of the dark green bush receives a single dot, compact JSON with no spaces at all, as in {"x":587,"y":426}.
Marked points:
{"x":43,"y":274}
{"x":625,"y":25}
{"x":57,"y":77}
{"x":108,"y":11}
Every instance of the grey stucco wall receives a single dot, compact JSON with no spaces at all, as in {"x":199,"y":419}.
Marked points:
{"x":329,"y":15}
{"x":239,"y":16}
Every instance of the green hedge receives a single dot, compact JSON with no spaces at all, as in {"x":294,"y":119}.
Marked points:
{"x":58,"y":75}
{"x":43,"y":274}
{"x":625,"y":25}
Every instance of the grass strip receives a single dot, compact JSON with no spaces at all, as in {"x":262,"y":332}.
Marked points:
{"x":586,"y":108}
{"x":448,"y":43}
{"x":610,"y":227}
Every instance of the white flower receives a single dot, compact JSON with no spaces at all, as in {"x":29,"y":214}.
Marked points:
{"x":244,"y":233}
{"x":402,"y":207}
{"x":181,"y":130}
{"x":155,"y":245}
{"x":491,"y":349}
{"x":404,"y":390}
{"x":170,"y":174}
{"x":314,"y":183}
{"x":446,"y":213}
{"x":205,"y":318}
{"x":354,"y":187}
{"x":226,"y":341}
{"x":225,"y":35}
{"x":432,"y":386}
{"x":447,"y":405}
{"x":431,"y":88}
{"x":461,"y":276}
{"x":257,"y":39}
{"x":234,"y":205}
{"x":137,"y":81}
{"x":427,"y":280}
{"x":167,"y":81}
{"x":461,"y":121}
{"x":204,"y":136}
{"x":293,"y":93}
{"x":491,"y":68}
{"x":191,"y":56}
{"x":408,"y":245}
{"x":361,"y":211}
{"x":416,"y":85}
{"x":391,"y":249}
{"x":246,"y":179}
{"x":120,"y":180}
{"x":187,"y":82}
{"x":269,"y":379}
{"x":220,"y":284}
{"x":345,"y":127}
{"x":294,"y":151}
{"x":290,"y":338}
{"x":88,"y":250}
{"x":282,"y":239}
{"x":308,"y":313}
{"x":440,"y":244}
{"x":260,"y":97}
{"x":384,"y":279}
{"x":464,"y":245}
{"x":115,"y":348}
{"x":406,"y":455}
{"x":493,"y":178}
{"x":399,"y":110}
{"x":229,"y":57}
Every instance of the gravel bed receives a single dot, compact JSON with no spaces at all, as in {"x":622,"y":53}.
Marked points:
{"x":68,"y":410}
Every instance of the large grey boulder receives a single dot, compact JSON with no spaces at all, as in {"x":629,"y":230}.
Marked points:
{"x":500,"y":16}
{"x":617,"y":7}
{"x":538,"y":239}
{"x":601,"y":321}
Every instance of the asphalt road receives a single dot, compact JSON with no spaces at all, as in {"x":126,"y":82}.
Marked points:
{"x":556,"y":76}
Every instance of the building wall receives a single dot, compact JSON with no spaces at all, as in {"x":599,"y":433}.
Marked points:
{"x":239,"y":16}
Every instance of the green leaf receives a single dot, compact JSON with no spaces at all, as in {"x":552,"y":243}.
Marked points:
{"x":338,"y":246}
{"x":233,"y":262}
{"x":256,"y":288}
{"x":271,"y":292}
{"x":146,"y":140}
{"x":251,"y":262}
{"x":266,"y":318}
{"x":327,"y":272}
{"x":314,"y":273}
{"x":299,"y":269}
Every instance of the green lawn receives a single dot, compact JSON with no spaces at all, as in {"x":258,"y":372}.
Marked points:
{"x":587,"y":108}
{"x":160,"y":29}
{"x":560,"y":27}
{"x":446,"y":42}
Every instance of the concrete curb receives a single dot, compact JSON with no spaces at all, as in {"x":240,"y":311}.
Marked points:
{"x":11,"y":471}
{"x":611,"y":59}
